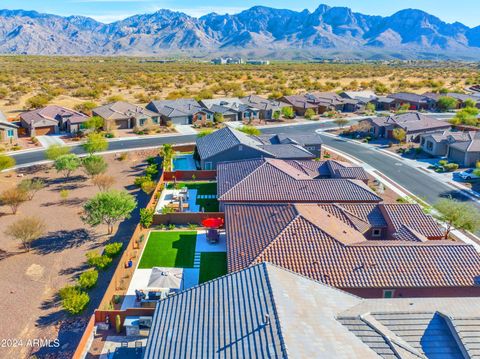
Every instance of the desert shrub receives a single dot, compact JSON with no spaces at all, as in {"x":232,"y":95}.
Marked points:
{"x":113,"y":249}
{"x":151,"y":170}
{"x":75,"y":301}
{"x":451,"y":167}
{"x":146,"y":217}
{"x":88,"y":279}
{"x":98,"y":261}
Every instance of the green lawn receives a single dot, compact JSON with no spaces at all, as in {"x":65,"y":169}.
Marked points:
{"x":203,"y":188}
{"x":212,"y":265}
{"x":169,"y":249}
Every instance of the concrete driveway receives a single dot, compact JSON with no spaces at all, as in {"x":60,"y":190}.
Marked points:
{"x":47,"y":141}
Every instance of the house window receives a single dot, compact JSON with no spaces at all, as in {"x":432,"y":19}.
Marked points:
{"x":388,"y":293}
{"x":208,"y":166}
{"x":142,"y":121}
{"x":155,"y":120}
{"x":240,"y":147}
{"x":376,"y":232}
{"x":10,"y":133}
{"x":429,"y":145}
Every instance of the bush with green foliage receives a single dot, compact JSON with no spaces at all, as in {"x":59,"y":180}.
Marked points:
{"x":113,"y":249}
{"x":146,"y":217}
{"x":96,"y":142}
{"x":6,"y":162}
{"x":98,"y":261}
{"x":55,"y":151}
{"x":288,"y":113}
{"x":152,"y":170}
{"x":250,"y":130}
{"x":446,"y":103}
{"x":88,"y":279}
{"x":309,"y":114}
{"x":76,"y":303}
{"x":94,"y":165}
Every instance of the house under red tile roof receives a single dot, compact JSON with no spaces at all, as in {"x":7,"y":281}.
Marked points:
{"x":274,"y":180}
{"x":327,"y":243}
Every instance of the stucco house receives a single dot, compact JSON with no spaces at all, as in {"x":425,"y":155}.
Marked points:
{"x":123,"y":115}
{"x":233,"y":109}
{"x":320,"y":102}
{"x":229,"y":144}
{"x":465,"y":152}
{"x":8,"y":130}
{"x":181,"y":111}
{"x":416,"y":102}
{"x":267,"y":108}
{"x":415,"y":125}
{"x":436,"y":144}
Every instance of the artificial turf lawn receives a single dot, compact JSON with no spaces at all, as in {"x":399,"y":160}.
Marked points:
{"x":212,"y":265}
{"x":203,"y":188}
{"x":169,"y":249}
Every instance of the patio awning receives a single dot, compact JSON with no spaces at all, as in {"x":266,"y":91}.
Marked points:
{"x":162,"y":278}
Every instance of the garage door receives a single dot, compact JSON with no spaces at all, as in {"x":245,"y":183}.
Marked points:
{"x":40,"y":131}
{"x":122,"y":124}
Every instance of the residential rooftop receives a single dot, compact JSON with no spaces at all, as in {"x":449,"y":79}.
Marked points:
{"x":329,"y":243}
{"x":54,"y":114}
{"x":286,"y":315}
{"x":274,"y":180}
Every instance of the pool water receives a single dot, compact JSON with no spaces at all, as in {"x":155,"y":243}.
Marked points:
{"x":184,"y":162}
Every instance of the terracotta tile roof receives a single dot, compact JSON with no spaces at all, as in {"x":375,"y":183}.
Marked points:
{"x":410,"y":215}
{"x":285,"y":181}
{"x":305,"y":239}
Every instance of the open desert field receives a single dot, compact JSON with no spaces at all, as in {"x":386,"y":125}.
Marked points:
{"x":26,"y":81}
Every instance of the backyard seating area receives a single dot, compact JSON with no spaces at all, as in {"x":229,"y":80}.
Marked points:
{"x":182,"y":259}
{"x":188,"y":197}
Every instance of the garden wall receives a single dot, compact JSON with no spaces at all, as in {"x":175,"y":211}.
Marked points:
{"x":189,"y":175}
{"x":185,"y":218}
{"x":87,"y":336}
{"x":184,"y":148}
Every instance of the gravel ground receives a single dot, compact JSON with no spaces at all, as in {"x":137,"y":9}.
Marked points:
{"x":30,"y":281}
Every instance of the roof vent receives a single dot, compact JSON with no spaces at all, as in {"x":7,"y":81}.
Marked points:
{"x":267,"y":319}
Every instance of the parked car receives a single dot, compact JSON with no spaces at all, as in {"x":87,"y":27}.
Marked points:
{"x":468,"y":174}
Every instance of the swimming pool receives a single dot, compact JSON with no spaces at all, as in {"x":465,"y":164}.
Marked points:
{"x":184,"y":162}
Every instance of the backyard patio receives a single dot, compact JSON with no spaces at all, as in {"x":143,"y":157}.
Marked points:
{"x":200,"y":260}
{"x":188,"y":197}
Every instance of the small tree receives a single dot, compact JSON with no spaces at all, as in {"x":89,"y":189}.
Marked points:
{"x":103,"y":182}
{"x":95,"y":143}
{"x":309,"y":114}
{"x":75,"y":301}
{"x":26,"y":230}
{"x":146,"y":217}
{"x":404,"y":107}
{"x":67,"y":164}
{"x":288,"y":112}
{"x":218,"y":117}
{"x":469,"y":103}
{"x":276,"y":115}
{"x":370,"y":107}
{"x":88,"y":279}
{"x":460,"y":215}
{"x":6,"y":162}
{"x":118,"y":324}
{"x":446,"y":103}
{"x":55,"y":151}
{"x":166,"y":152}
{"x":31,"y":186}
{"x":399,"y":134}
{"x":250,"y":130}
{"x":94,"y":165}
{"x":13,"y":198}
{"x":109,"y":208}
{"x":94,"y":123}
{"x":340,"y":121}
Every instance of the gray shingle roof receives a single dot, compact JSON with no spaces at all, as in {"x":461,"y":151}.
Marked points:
{"x":176,"y":108}
{"x":279,"y":181}
{"x":263,"y":103}
{"x":225,"y":318}
{"x":300,"y":139}
{"x":122,"y":110}
{"x":52,"y":114}
{"x":224,"y":139}
{"x":409,"y":97}
{"x":470,"y":143}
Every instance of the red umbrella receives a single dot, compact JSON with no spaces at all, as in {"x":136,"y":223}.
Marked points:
{"x":213,"y":223}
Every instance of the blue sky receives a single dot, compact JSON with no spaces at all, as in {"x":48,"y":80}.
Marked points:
{"x":465,"y":11}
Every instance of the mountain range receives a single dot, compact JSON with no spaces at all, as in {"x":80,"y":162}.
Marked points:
{"x":327,"y":32}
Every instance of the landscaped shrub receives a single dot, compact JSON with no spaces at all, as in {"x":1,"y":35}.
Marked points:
{"x":141,"y":179}
{"x":152,"y":170}
{"x":118,"y":324}
{"x":148,"y":186}
{"x":113,"y":249}
{"x":146,"y":217}
{"x":451,"y":167}
{"x":151,"y":160}
{"x":98,"y":261}
{"x":76,"y":301}
{"x":88,"y":279}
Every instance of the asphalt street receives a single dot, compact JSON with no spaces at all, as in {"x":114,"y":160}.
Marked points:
{"x":414,"y":180}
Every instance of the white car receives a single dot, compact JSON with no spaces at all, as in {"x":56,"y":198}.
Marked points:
{"x":468,"y":174}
